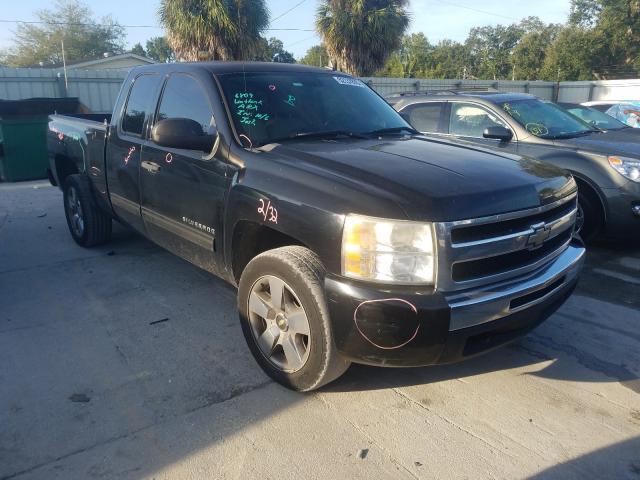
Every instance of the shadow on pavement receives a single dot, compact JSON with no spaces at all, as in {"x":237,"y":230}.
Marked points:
{"x":599,"y":464}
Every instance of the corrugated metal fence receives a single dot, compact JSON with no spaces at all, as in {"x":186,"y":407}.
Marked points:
{"x":98,"y":89}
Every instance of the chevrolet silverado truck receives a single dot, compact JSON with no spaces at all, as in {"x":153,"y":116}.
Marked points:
{"x":349,"y":236}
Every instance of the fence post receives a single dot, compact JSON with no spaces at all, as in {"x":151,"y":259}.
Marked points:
{"x":556,"y":91}
{"x":62,"y":88}
{"x":592,"y":87}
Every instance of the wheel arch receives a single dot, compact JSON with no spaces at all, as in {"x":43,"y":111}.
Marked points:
{"x":249,"y":239}
{"x":584,"y":182}
{"x":64,"y":167}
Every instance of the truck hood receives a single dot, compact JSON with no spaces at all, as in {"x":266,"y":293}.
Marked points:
{"x":433,"y":179}
{"x":611,"y":142}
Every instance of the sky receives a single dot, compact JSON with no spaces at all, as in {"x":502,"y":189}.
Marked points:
{"x":437,"y":19}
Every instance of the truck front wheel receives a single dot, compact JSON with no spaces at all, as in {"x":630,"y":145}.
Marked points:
{"x":88,"y":224}
{"x":285,"y":320}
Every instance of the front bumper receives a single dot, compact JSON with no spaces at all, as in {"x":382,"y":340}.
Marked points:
{"x":623,"y":221}
{"x":400,"y":326}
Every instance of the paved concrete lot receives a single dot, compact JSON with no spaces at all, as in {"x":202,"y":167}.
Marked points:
{"x":127,"y":362}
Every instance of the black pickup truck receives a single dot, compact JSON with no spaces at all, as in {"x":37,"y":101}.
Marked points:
{"x":350,"y":237}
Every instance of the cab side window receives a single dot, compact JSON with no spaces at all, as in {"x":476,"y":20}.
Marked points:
{"x":425,"y":117}
{"x":469,"y":120}
{"x":183,"y":97}
{"x":139,"y":104}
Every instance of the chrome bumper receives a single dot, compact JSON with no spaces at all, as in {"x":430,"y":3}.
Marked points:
{"x":490,"y":303}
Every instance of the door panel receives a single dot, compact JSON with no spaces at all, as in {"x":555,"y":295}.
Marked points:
{"x":183,"y":191}
{"x":124,"y":149}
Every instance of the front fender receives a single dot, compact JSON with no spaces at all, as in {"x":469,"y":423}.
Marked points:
{"x":319,"y":230}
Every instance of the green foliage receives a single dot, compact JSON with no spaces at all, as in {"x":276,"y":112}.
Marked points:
{"x":450,"y":59}
{"x":490,"y":50}
{"x":570,"y":56}
{"x":529,"y":54}
{"x":360,"y":35}
{"x":617,"y":37}
{"x":316,"y":56}
{"x":278,"y":53}
{"x":600,"y":41}
{"x":138,"y":49}
{"x":584,"y":13}
{"x":214,"y":29}
{"x":70,"y":21}
{"x":159,"y":50}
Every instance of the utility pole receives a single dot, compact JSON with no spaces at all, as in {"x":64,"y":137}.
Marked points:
{"x":64,"y":66}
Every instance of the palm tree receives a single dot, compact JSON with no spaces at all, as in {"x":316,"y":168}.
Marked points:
{"x":360,"y":35}
{"x":214,"y":29}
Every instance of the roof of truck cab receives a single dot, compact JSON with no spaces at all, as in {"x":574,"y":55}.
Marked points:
{"x":237,"y":67}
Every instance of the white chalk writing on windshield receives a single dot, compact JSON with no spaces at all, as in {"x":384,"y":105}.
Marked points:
{"x":248,"y":109}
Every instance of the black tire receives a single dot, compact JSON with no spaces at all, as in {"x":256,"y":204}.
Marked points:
{"x":89,"y":226}
{"x":589,"y":214}
{"x":303,"y":273}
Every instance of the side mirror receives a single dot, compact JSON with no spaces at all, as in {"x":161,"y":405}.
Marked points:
{"x":499,"y":133}
{"x":182,"y":133}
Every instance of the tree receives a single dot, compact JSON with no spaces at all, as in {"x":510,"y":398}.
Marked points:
{"x":214,"y":29}
{"x":70,"y":21}
{"x":138,"y":49}
{"x":449,"y":59}
{"x":278,"y":53}
{"x":158,"y":49}
{"x":360,"y":35}
{"x":584,"y":13}
{"x":272,"y":50}
{"x":411,"y":59}
{"x":570,"y":56}
{"x":316,"y":56}
{"x":529,"y":54}
{"x":617,"y":37}
{"x":490,"y":49}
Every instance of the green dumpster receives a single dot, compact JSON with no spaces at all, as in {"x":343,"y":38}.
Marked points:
{"x":24,"y":148}
{"x":23,"y":136}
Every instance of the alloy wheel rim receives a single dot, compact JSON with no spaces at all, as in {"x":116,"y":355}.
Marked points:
{"x":75,"y":212}
{"x":279,"y":323}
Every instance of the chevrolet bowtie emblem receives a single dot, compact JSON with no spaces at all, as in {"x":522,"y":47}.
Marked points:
{"x":541,"y":232}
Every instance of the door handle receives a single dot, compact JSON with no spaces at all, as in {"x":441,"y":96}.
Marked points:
{"x":151,"y":167}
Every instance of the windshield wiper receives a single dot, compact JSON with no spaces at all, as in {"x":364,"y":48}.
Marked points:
{"x":384,"y":131}
{"x":573,"y":134}
{"x":326,"y":134}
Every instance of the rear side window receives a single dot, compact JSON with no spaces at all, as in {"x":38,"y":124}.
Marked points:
{"x":139,"y":104}
{"x":183,"y":97}
{"x":425,"y":117}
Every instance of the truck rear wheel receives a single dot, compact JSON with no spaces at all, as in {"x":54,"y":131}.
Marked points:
{"x":88,"y":225}
{"x":285,"y":320}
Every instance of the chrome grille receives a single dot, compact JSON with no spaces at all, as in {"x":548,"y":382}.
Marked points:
{"x":484,"y":250}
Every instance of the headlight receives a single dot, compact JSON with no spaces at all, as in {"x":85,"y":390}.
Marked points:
{"x":628,"y":167}
{"x":388,"y":251}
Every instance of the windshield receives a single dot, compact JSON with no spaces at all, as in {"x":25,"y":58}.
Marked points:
{"x":269,"y":107}
{"x":595,"y":118}
{"x":545,"y":119}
